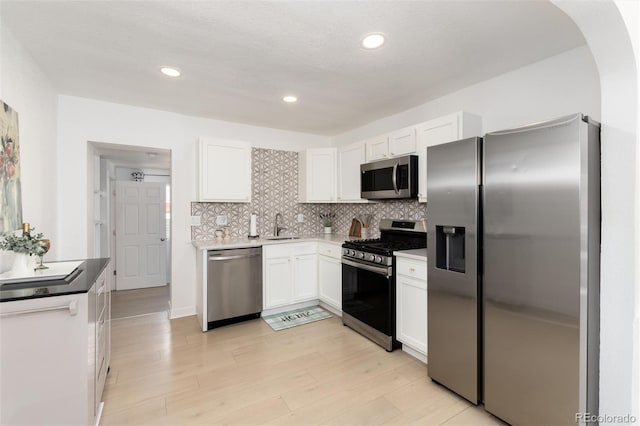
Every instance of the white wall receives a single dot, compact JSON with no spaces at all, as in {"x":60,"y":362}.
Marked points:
{"x":28,"y":91}
{"x":82,"y":120}
{"x":560,"y":85}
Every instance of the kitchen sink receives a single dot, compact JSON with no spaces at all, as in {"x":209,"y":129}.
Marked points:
{"x":287,"y":237}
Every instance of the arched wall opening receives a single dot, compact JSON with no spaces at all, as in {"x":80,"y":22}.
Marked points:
{"x":609,"y":28}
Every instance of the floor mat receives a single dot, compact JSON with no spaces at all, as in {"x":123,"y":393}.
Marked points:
{"x":296,"y":317}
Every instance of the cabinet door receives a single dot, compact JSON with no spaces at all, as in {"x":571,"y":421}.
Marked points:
{"x":317,"y":175}
{"x":330,"y":281}
{"x":434,"y":132}
{"x":402,"y":142}
{"x":224,"y":171}
{"x":305,"y":277}
{"x":349,"y":160}
{"x":377,"y":148}
{"x":411,"y":312}
{"x":277,"y":282}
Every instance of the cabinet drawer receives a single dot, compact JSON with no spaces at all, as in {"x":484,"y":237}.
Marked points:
{"x":331,"y":250}
{"x":276,"y":250}
{"x":101,"y":378}
{"x":305,"y":248}
{"x":101,"y":293}
{"x":412,"y":268}
{"x":101,"y":338}
{"x":101,"y":303}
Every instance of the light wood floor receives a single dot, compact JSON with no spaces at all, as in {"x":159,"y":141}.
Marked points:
{"x":170,"y":373}
{"x":129,"y":303}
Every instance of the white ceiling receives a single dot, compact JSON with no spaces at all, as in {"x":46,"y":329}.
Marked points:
{"x":239,"y":58}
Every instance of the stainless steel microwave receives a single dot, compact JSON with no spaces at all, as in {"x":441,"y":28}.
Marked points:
{"x":390,"y":179}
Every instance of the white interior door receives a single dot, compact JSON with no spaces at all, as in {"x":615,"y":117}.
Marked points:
{"x":140,"y":235}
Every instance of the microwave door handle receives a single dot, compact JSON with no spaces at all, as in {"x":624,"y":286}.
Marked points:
{"x":394,"y":178}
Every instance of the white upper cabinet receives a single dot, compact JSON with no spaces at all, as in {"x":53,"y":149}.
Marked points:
{"x":224,"y":170}
{"x":399,"y":142}
{"x":402,"y":142}
{"x":349,"y":159}
{"x":317,"y":171}
{"x":377,"y":148}
{"x":445,"y":129}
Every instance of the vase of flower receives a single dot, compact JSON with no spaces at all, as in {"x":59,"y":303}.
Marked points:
{"x":327,"y":221}
{"x":24,"y":246}
{"x":22,"y":264}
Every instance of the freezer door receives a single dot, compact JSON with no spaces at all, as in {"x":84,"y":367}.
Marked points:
{"x":536,"y":219}
{"x":452,"y":246}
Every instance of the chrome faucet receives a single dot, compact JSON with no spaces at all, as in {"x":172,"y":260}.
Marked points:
{"x":276,"y":228}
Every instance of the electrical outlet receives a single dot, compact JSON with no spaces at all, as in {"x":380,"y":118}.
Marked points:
{"x":300,"y":218}
{"x":196,"y":220}
{"x":221,"y":219}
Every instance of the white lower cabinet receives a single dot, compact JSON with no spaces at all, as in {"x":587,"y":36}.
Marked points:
{"x":302,"y":272}
{"x":277,"y":282}
{"x":54,"y":356}
{"x":290,"y":274}
{"x":305,"y":277}
{"x":411,"y":304}
{"x":330,"y":281}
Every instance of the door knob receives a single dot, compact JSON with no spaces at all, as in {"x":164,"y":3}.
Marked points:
{"x":163,"y":239}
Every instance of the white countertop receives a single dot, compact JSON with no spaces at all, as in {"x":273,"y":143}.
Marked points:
{"x":338,"y":239}
{"x":417,"y":254}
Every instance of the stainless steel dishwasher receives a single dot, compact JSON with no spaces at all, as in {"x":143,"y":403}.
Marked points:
{"x":234,"y":286}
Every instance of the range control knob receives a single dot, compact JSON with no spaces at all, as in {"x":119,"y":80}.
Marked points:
{"x":371,"y":257}
{"x":345,"y":251}
{"x":353,"y":252}
{"x":378,"y":259}
{"x":361,"y":255}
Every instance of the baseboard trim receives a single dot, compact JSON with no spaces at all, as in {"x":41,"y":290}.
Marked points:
{"x":185,"y":311}
{"x":279,"y":309}
{"x":414,"y":353}
{"x":336,"y":312}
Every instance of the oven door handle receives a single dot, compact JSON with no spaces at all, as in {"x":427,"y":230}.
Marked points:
{"x":394,"y":178}
{"x":381,"y":270}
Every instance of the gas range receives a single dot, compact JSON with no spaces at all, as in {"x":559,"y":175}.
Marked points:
{"x":394,"y":235}
{"x":368,"y":279}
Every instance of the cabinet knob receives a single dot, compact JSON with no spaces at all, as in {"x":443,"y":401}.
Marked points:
{"x":392,"y":154}
{"x":412,"y":269}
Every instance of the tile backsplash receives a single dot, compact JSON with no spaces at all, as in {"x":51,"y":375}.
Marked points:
{"x":274,"y":187}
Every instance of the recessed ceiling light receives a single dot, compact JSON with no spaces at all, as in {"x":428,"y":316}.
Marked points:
{"x":170,"y":72}
{"x":373,"y":40}
{"x":290,"y":99}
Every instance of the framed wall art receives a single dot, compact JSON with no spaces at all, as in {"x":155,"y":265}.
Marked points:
{"x":10,"y":190}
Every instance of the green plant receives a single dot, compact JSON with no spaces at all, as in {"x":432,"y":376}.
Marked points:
{"x":25,"y":243}
{"x":327,"y":219}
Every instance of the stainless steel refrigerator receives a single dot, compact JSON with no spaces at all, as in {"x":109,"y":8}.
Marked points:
{"x":513,"y":269}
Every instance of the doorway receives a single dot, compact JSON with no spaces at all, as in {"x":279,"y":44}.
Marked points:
{"x":133,"y":223}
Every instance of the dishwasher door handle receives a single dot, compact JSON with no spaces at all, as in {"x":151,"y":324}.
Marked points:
{"x":239,"y":256}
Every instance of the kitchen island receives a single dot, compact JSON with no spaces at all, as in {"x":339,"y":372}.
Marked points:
{"x":55,"y":350}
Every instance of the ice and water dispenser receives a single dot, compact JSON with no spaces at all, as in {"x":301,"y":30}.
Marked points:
{"x":450,"y":253}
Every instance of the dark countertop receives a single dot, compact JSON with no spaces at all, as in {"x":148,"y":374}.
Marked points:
{"x":79,"y":281}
